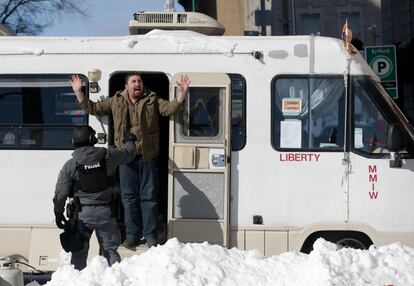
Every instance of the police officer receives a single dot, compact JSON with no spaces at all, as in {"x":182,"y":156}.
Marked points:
{"x":88,"y":175}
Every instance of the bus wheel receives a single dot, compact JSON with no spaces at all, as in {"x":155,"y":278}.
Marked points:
{"x":350,"y":242}
{"x":351,"y":239}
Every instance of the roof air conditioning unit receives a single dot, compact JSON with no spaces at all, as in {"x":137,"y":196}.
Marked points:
{"x":146,"y":21}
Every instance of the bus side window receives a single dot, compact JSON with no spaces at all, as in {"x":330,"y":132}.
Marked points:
{"x":38,"y":112}
{"x":238,"y":112}
{"x":308,"y":113}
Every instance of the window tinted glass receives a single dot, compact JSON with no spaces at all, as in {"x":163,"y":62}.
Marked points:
{"x":38,"y":111}
{"x":370,"y":125}
{"x":200,"y":118}
{"x":202,"y":112}
{"x":308,"y":113}
{"x":238,"y":112}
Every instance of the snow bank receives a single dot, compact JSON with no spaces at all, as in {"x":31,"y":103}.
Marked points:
{"x":194,"y":264}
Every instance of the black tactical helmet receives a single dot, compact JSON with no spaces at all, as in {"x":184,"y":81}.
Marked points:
{"x":83,"y":136}
{"x":74,"y":236}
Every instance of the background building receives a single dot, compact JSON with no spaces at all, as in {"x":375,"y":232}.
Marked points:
{"x":290,"y":17}
{"x":230,"y":13}
{"x":398,"y":26}
{"x":397,"y":20}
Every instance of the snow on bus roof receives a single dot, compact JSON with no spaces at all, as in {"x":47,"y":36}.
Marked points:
{"x":183,"y":41}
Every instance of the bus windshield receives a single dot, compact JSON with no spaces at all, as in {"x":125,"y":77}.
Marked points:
{"x":373,"y":111}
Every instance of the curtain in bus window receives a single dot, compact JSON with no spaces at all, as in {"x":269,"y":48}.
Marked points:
{"x":38,"y":111}
{"x":323,"y":126}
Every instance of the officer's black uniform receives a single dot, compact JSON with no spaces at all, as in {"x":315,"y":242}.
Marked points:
{"x":88,"y":174}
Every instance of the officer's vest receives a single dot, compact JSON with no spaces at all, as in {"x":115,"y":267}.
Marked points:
{"x":93,"y":178}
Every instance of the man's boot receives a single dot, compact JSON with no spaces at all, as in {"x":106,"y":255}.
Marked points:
{"x":131,"y":242}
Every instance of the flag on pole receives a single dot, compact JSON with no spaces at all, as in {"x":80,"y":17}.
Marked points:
{"x":347,"y":38}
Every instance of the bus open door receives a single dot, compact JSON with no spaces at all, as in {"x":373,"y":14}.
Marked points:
{"x":199,"y":161}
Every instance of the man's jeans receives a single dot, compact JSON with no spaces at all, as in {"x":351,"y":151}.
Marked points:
{"x":139,"y":192}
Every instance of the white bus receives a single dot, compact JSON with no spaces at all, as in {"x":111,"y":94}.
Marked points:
{"x":281,"y":140}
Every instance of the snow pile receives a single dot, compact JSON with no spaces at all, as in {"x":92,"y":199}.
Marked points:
{"x":129,"y":43}
{"x":31,"y":51}
{"x":194,"y":264}
{"x":192,"y":42}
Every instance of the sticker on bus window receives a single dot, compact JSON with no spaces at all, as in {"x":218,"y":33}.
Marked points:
{"x":358,"y":135}
{"x":291,"y":134}
{"x":291,"y":106}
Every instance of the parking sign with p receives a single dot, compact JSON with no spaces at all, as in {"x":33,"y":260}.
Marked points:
{"x":382,"y":60}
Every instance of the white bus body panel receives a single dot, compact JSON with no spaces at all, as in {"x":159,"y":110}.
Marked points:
{"x":295,"y":198}
{"x":381,"y":196}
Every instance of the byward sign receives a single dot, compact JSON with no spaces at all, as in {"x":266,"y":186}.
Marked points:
{"x":383,"y":61}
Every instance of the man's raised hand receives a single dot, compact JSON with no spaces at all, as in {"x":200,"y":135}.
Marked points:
{"x":182,"y":86}
{"x":76,"y":83}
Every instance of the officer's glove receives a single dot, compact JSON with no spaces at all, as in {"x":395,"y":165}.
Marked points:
{"x":60,"y":220}
{"x":130,"y":138}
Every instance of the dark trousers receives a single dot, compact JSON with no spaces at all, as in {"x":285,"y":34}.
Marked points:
{"x":98,"y":218}
{"x":139,"y":193}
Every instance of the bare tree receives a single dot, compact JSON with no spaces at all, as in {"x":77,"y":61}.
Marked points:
{"x":31,"y":17}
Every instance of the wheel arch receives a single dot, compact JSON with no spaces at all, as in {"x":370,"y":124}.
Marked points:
{"x":338,"y":236}
{"x":299,"y":237}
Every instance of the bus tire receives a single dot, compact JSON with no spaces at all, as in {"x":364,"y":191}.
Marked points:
{"x":351,"y":239}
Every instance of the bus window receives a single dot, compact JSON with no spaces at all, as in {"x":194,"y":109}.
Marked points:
{"x":370,"y":126}
{"x":201,"y":119}
{"x":38,"y":111}
{"x":308,"y":113}
{"x":238,"y":112}
{"x":202,"y":115}
{"x":202,"y":112}
{"x":371,"y":119}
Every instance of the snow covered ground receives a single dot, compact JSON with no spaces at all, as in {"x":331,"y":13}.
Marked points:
{"x":195,"y":264}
